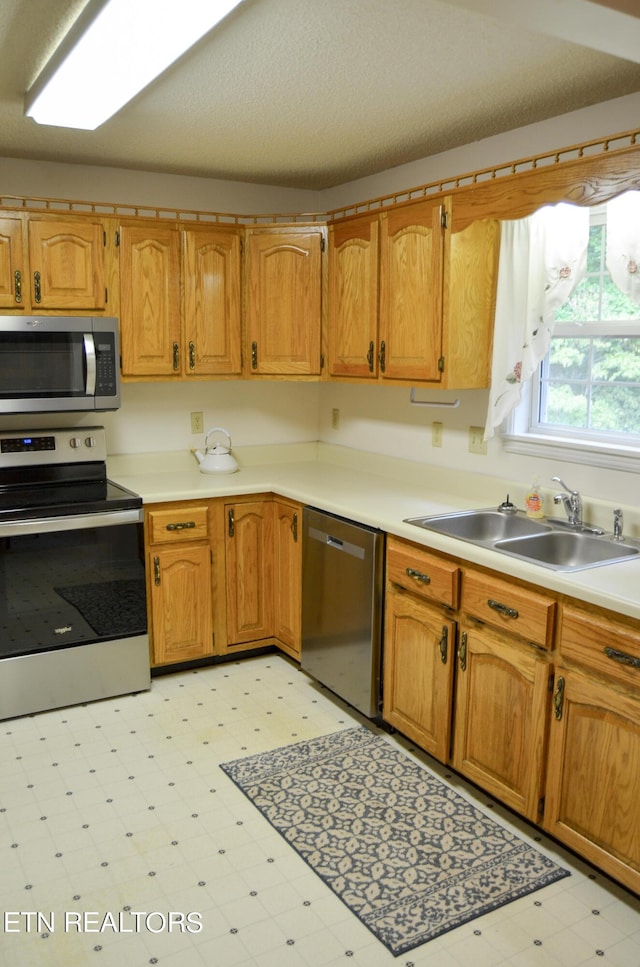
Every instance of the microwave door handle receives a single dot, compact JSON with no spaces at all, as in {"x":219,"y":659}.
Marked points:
{"x":90,"y":357}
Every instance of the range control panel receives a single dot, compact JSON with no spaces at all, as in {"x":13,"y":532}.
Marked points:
{"x":74,"y":445}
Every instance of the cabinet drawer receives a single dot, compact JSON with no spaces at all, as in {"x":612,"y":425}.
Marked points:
{"x":185,"y":523}
{"x":603,"y":645}
{"x":516,"y":610}
{"x":423,"y":573}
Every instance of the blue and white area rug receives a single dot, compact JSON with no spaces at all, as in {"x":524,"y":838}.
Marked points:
{"x":406,"y":853}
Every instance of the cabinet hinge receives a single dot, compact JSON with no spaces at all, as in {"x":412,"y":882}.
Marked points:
{"x":321,"y":360}
{"x":444,"y":219}
{"x":541,"y":806}
{"x":104,"y":239}
{"x":441,"y":364}
{"x":106,"y":294}
{"x":117,"y":239}
{"x":323,"y":244}
{"x":241,"y":246}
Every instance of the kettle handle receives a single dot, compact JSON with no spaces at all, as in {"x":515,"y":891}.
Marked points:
{"x":217,"y":429}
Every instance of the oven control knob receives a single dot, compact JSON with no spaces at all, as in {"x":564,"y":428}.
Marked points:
{"x":75,"y":442}
{"x":90,"y":441}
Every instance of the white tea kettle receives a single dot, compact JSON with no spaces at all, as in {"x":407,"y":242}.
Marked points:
{"x":218,"y":458}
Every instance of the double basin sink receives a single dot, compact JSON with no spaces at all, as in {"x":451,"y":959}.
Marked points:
{"x":552,"y":543}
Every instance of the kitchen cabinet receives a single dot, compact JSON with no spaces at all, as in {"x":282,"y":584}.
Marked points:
{"x":12,"y":264}
{"x":51,"y":264}
{"x":353,"y":342}
{"x":180,"y":301}
{"x":593,"y":783}
{"x":412,"y":295}
{"x":287,"y":575}
{"x":179,"y":582}
{"x":419,"y":649}
{"x":150,"y":324}
{"x":211,"y":344}
{"x":411,"y":273}
{"x":249,"y":571}
{"x":284,"y":300}
{"x":502,"y":689}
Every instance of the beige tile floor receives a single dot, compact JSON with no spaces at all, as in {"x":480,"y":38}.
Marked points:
{"x":119,"y":808}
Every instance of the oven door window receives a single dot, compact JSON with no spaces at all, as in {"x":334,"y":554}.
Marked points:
{"x":42,"y":365}
{"x":71,"y":587}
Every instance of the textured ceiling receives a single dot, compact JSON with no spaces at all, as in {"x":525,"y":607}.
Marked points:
{"x":315,"y":93}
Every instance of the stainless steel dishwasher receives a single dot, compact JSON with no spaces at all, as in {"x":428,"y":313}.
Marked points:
{"x":342,"y":587}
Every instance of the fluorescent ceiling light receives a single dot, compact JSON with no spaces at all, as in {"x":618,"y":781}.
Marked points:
{"x":115,"y":49}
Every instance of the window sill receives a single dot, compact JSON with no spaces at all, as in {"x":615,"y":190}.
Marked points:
{"x":574,"y":451}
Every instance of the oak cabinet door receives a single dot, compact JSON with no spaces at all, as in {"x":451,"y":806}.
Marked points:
{"x":593,"y":782}
{"x":249,"y":558}
{"x":411,"y":279}
{"x":287,"y":575}
{"x":180,"y":583}
{"x":67,"y":264}
{"x":500,"y":721}
{"x":353,"y":298}
{"x":14,"y":283}
{"x":212,"y":303}
{"x":419,"y":661}
{"x":284,"y":315}
{"x":150,"y":301}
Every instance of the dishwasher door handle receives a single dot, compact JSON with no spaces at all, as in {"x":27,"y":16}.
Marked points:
{"x":336,"y":543}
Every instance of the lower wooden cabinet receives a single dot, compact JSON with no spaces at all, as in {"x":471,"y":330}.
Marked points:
{"x":501,"y":703}
{"x":418,"y":671}
{"x":179,"y":582}
{"x":249,"y":584}
{"x":287,"y":575}
{"x":593,"y":782}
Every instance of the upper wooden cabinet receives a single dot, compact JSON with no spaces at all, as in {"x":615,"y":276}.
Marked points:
{"x":412,"y":295}
{"x":51,"y":264}
{"x":353,"y":297}
{"x":67,"y":264}
{"x":12,"y":264}
{"x":162,"y":334}
{"x":284,"y":300}
{"x":411,"y":271}
{"x":212,"y":302}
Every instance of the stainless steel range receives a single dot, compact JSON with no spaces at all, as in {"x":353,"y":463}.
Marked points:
{"x":73,"y":625}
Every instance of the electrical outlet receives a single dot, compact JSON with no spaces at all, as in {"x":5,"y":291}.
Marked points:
{"x":335,"y":418}
{"x":436,"y":434}
{"x":477,"y":443}
{"x":197,"y":423}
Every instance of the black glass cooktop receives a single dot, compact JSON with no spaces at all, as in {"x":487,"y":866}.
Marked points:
{"x":61,"y":490}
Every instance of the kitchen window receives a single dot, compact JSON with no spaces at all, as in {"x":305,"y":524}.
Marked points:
{"x":584,"y":397}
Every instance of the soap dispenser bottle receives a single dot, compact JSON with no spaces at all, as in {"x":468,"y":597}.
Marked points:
{"x":533,"y":502}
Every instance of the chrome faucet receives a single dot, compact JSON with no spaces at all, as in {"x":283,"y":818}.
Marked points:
{"x":618,"y":522}
{"x":572,"y":503}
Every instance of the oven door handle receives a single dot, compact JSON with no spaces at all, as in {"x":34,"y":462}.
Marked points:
{"x":90,"y":359}
{"x":49,"y":525}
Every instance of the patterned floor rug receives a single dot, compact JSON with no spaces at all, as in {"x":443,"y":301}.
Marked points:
{"x":406,"y":853}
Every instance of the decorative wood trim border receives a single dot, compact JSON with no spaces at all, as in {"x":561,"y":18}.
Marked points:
{"x":612,"y":145}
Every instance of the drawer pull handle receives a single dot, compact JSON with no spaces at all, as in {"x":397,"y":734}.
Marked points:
{"x":622,"y":657}
{"x":558,"y":698}
{"x":181,"y":525}
{"x":444,"y":640}
{"x":502,"y":608}
{"x":418,"y":575}
{"x":156,"y":571}
{"x":462,"y":651}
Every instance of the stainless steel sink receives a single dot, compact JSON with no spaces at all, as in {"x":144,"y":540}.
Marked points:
{"x":566,"y":551}
{"x":549,"y":543}
{"x":481,"y":526}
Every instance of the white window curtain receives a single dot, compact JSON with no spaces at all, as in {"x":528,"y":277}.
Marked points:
{"x":542,"y":259}
{"x":623,"y":243}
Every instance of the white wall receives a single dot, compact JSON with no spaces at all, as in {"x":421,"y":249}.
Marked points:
{"x":156,"y":416}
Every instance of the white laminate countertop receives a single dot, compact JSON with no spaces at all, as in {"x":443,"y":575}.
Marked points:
{"x":374,"y":490}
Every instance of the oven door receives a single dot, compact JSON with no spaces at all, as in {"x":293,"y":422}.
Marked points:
{"x":73,"y":618}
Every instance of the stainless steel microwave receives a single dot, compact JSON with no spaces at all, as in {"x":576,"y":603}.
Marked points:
{"x":58,"y":364}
